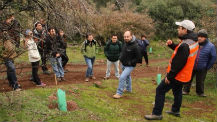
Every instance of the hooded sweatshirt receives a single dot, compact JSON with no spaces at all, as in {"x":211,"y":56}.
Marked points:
{"x":130,"y":54}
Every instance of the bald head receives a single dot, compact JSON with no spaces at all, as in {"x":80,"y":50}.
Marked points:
{"x":128,"y":36}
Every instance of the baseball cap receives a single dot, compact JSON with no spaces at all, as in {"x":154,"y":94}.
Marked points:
{"x":189,"y":25}
{"x":28,"y":31}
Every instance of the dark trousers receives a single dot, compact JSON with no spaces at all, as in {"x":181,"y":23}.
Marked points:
{"x":200,"y":78}
{"x":43,"y":60}
{"x":35,"y":76}
{"x":145,"y":55}
{"x":65,"y":59}
{"x":11,"y":73}
{"x":161,"y":90}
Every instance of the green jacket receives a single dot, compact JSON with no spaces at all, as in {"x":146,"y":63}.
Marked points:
{"x":112,"y":51}
{"x":88,"y":48}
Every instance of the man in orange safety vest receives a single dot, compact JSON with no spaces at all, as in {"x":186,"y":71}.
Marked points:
{"x":179,"y":70}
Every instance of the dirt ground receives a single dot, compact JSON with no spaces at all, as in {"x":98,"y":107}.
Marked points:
{"x":76,"y":74}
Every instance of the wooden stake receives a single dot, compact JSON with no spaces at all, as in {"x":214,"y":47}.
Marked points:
{"x":55,"y":77}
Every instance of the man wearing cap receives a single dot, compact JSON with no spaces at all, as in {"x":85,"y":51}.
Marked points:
{"x":179,"y":70}
{"x":205,"y":59}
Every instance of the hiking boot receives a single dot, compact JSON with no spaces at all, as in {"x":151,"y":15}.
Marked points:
{"x":46,"y":72}
{"x":153,"y":117}
{"x":92,"y":77}
{"x":106,"y":78}
{"x":86,"y":79}
{"x":63,"y":79}
{"x":59,"y":79}
{"x":117,"y":96}
{"x":41,"y":85}
{"x":185,"y":93}
{"x":16,"y":87}
{"x":201,"y":95}
{"x":176,"y":114}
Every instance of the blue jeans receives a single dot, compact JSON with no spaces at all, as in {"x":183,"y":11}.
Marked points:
{"x":125,"y":80}
{"x":56,"y":64}
{"x":89,"y":62}
{"x":11,"y":73}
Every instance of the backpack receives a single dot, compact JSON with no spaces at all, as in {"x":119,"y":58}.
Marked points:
{"x":87,"y":43}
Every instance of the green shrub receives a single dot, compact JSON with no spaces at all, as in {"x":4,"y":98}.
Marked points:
{"x":166,"y":12}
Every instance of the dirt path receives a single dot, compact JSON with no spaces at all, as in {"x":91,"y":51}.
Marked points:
{"x":76,"y":74}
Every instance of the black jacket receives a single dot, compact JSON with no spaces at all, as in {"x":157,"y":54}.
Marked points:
{"x":180,"y":59}
{"x":62,"y":43}
{"x":52,"y":46}
{"x":130,"y":54}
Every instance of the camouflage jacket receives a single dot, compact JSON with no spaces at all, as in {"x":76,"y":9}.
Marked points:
{"x":11,"y":32}
{"x":9,"y":39}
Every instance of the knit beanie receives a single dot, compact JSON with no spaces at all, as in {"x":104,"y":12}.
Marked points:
{"x":202,"y":33}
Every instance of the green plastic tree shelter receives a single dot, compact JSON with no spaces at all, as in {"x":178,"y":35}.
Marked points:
{"x":61,"y":98}
{"x":150,"y":50}
{"x":158,"y":79}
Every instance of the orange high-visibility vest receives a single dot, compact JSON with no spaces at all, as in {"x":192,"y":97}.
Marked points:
{"x":185,"y":74}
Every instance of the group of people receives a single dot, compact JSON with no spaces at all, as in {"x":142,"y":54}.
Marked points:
{"x":50,"y":46}
{"x":113,"y":50}
{"x":42,"y":44}
{"x":194,"y":55}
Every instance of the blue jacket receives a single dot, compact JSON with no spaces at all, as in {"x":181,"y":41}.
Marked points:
{"x":206,"y":56}
{"x":143,"y":44}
